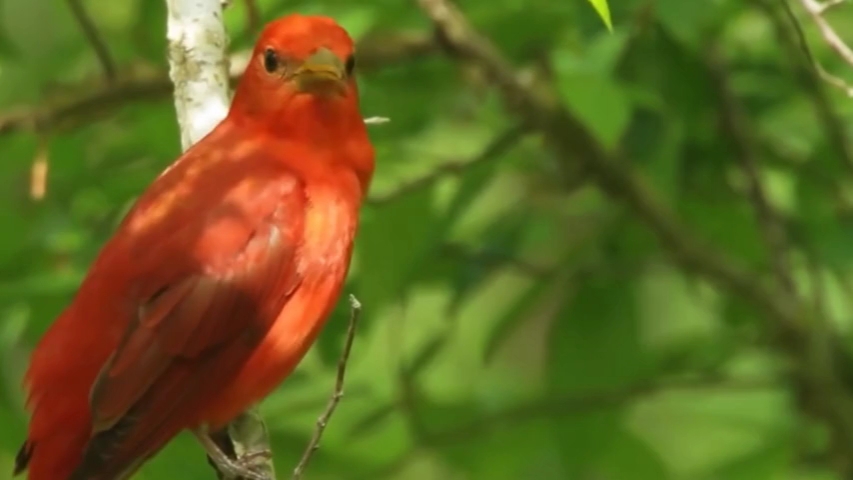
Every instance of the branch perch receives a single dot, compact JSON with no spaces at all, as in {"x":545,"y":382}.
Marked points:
{"x":337,"y":393}
{"x":94,"y":38}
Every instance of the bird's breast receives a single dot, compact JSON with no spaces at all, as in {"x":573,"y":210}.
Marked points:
{"x":323,"y":261}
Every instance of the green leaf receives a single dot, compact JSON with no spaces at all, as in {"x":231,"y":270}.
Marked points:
{"x":601,"y":104}
{"x":769,"y":462}
{"x":730,"y":424}
{"x":595,"y":347}
{"x":603,"y":11}
{"x":390,"y":259}
{"x":586,"y":85}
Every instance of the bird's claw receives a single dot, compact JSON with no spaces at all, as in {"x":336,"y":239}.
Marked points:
{"x":252,"y":458}
{"x":244,"y":468}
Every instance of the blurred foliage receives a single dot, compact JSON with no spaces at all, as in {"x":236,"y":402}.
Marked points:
{"x":518,"y":323}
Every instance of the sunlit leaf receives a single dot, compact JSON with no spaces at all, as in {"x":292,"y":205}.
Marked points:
{"x":603,"y":11}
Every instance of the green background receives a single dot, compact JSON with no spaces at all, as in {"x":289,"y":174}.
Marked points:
{"x":519,"y":321}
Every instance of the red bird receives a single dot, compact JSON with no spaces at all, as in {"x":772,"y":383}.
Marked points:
{"x":220,"y":277}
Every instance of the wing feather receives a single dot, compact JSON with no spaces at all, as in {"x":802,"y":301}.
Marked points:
{"x":191,"y":337}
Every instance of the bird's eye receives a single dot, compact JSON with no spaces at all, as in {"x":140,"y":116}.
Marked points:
{"x":350,"y":65}
{"x":270,"y":60}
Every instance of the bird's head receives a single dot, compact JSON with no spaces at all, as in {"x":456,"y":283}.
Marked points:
{"x":299,"y":59}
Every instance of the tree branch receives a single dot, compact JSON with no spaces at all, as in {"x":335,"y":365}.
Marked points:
{"x":253,"y":15}
{"x":594,"y":400}
{"x":740,"y":133}
{"x":785,"y":320}
{"x":85,"y":104}
{"x":808,"y":75}
{"x":337,"y":393}
{"x":783,"y":317}
{"x":489,"y":258}
{"x":816,"y":10}
{"x":497,"y":147}
{"x":553,"y":407}
{"x":570,"y":140}
{"x":94,"y":38}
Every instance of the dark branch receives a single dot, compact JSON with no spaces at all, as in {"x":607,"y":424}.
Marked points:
{"x":567,"y":136}
{"x":488,"y":258}
{"x":575,"y":404}
{"x":94,"y":39}
{"x":823,"y":25}
{"x":741,"y":134}
{"x":323,"y":421}
{"x":784,"y":318}
{"x":497,"y":147}
{"x":793,"y":42}
{"x":595,"y":400}
{"x":88,"y":104}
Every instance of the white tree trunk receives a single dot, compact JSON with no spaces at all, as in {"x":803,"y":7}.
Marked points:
{"x":198,"y":66}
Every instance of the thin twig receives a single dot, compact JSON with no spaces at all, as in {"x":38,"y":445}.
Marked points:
{"x":570,"y":140}
{"x":740,"y":132}
{"x":94,"y":39}
{"x":253,"y":15}
{"x":497,"y":147}
{"x":816,"y":9}
{"x":323,"y":421}
{"x":808,"y":75}
{"x":829,"y":78}
{"x":489,"y":258}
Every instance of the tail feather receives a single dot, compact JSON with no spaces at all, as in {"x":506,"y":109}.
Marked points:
{"x":51,"y":458}
{"x":22,"y":459}
{"x":118,"y":453}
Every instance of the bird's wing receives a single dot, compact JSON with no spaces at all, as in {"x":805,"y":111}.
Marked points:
{"x":194,"y":332}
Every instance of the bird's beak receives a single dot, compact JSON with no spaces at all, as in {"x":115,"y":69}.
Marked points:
{"x":321,"y":73}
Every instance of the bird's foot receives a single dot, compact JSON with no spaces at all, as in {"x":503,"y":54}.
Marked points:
{"x":244,"y":468}
{"x":252,"y":458}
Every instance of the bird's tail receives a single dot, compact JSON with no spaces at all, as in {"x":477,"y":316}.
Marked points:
{"x":60,"y":420}
{"x":54,"y":457}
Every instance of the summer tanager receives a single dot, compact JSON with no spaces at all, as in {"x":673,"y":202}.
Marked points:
{"x":219,"y":278}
